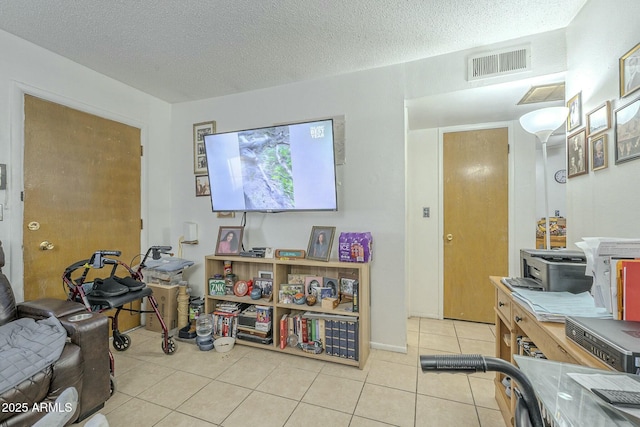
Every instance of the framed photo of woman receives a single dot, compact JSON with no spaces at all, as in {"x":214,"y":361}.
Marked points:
{"x":574,"y":121}
{"x":320,"y":243}
{"x":630,"y":71}
{"x":229,"y":241}
{"x":599,"y":150}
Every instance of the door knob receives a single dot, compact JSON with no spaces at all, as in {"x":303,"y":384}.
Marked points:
{"x":46,"y":246}
{"x":449,"y":237}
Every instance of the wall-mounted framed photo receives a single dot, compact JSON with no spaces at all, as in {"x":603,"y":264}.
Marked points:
{"x":574,"y":121}
{"x":229,"y":240}
{"x":627,"y":132}
{"x":199,"y":155}
{"x":630,"y":71}
{"x":320,"y":242}
{"x":202,"y":186}
{"x":599,"y":152}
{"x":577,"y":159}
{"x":599,"y":119}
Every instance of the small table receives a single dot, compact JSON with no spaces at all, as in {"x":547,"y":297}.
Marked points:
{"x":565,"y":402}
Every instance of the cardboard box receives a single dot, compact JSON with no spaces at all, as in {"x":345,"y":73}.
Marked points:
{"x":167,"y":298}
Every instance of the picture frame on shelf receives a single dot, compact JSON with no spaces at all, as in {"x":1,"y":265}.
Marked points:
{"x":266,"y":284}
{"x":627,"y":132}
{"x":320,"y":243}
{"x":229,"y":240}
{"x":311,"y":283}
{"x":346,"y":284}
{"x":199,"y":154}
{"x":577,"y":159}
{"x":202,"y":186}
{"x":599,"y":119}
{"x":295,"y":278}
{"x":264,"y":274}
{"x":630,"y":71}
{"x":599,"y":152}
{"x":574,"y":120}
{"x":332,"y":283}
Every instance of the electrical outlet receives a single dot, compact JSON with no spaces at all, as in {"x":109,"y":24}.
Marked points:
{"x":426,"y":212}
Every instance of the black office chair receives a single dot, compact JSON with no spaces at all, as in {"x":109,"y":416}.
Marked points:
{"x":527,"y":410}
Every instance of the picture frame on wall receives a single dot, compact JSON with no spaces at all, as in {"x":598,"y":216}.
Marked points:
{"x":599,"y":152}
{"x":320,"y":243}
{"x":202,"y":186}
{"x":577,"y":159}
{"x":199,"y":155}
{"x":229,"y":240}
{"x":630,"y":71}
{"x":599,"y":119}
{"x":574,"y":120}
{"x":627,"y":132}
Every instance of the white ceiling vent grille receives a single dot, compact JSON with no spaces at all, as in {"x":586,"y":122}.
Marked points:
{"x":499,"y":63}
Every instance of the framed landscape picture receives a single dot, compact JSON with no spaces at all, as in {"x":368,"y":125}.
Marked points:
{"x":599,"y":119}
{"x":627,"y":132}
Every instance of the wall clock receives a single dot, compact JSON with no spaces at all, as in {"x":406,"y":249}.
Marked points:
{"x":561,"y":176}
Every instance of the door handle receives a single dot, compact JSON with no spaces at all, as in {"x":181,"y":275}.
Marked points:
{"x":46,"y":246}
{"x":449,"y":237}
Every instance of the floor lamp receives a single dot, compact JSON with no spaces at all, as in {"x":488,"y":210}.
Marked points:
{"x":542,"y":123}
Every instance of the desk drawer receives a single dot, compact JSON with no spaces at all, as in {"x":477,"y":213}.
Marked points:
{"x":503,"y":305}
{"x":527,"y":322}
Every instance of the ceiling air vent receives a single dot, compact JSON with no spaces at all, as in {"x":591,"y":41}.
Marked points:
{"x":499,"y":63}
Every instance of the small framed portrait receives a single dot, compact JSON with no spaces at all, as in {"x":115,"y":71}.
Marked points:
{"x":627,"y":132}
{"x":312,"y":284}
{"x":199,"y":154}
{"x":577,"y":159}
{"x":229,"y":241}
{"x":599,"y":152}
{"x":264,"y":274}
{"x":346,"y":283}
{"x":320,"y":243}
{"x":202,"y":186}
{"x":574,"y":121}
{"x":599,"y":119}
{"x":630,"y":71}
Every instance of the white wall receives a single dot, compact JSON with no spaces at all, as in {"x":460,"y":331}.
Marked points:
{"x":556,"y":160}
{"x":605,"y":202}
{"x":25,"y":67}
{"x":371,"y":183}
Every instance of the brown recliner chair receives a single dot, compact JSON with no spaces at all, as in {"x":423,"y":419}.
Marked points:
{"x":83,"y":364}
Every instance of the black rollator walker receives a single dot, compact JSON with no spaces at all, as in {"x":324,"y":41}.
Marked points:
{"x":113,"y":292}
{"x":527,"y":409}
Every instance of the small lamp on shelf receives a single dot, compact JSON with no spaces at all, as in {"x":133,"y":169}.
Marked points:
{"x":542,"y":123}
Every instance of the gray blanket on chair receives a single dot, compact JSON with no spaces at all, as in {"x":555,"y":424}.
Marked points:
{"x":27,"y":347}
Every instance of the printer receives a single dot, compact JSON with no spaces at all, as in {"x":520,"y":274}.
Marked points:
{"x":556,"y":270}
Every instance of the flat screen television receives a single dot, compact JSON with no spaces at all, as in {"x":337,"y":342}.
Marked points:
{"x":273,"y":169}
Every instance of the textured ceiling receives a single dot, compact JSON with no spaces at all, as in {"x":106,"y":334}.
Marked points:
{"x":183,"y":50}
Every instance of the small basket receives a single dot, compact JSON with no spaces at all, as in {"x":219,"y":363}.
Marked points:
{"x":224,"y":344}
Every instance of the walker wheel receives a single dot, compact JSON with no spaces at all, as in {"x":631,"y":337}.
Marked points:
{"x":170,"y":347}
{"x":121,"y":342}
{"x":113,"y":385}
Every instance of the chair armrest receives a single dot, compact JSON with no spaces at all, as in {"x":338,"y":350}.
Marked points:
{"x":47,"y":307}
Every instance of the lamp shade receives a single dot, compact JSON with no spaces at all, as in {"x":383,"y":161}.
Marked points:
{"x":544,"y":121}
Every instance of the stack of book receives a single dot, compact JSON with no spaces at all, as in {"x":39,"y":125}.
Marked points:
{"x":225,"y":318}
{"x":259,"y":330}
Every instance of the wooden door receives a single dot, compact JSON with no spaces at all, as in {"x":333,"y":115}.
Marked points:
{"x":475,"y":171}
{"x":81,"y":194}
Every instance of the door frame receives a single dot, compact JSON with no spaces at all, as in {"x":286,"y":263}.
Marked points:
{"x":513,"y":261}
{"x":15,"y":265}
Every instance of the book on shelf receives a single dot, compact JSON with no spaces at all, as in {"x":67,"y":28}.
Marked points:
{"x":283,"y":330}
{"x":342,"y":334}
{"x":263,"y":318}
{"x":328,"y":334}
{"x":352,"y":340}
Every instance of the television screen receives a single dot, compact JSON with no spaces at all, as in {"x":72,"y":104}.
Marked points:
{"x":273,"y":169}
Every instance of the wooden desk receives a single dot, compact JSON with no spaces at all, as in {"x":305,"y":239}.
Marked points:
{"x":513,"y":320}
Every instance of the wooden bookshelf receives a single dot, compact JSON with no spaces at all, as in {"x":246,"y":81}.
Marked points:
{"x":247,"y":268}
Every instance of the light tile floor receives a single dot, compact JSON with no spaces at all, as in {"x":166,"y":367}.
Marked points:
{"x":251,"y":387}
